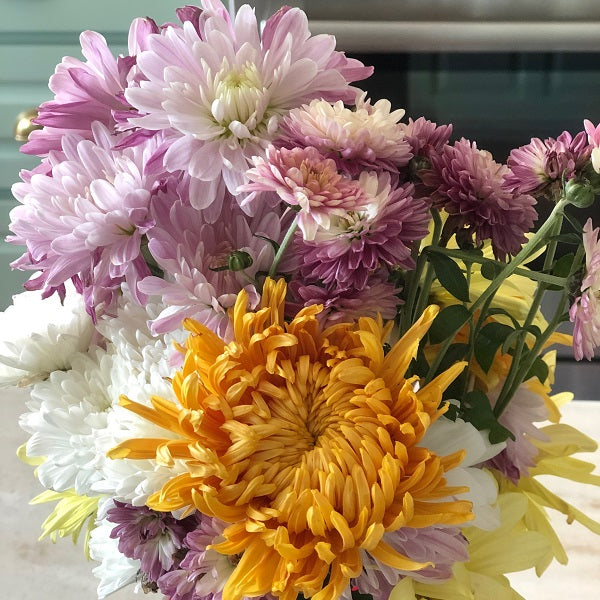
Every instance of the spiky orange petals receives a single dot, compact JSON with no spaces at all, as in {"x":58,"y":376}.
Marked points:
{"x":306,"y":441}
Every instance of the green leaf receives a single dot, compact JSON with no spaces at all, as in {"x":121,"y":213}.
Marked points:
{"x":503,"y":311}
{"x":448,"y":322}
{"x":562,"y":267}
{"x":489,"y":339}
{"x":454,"y":353}
{"x":450,"y":276}
{"x":490,"y":270}
{"x":477,"y":410}
{"x":273,"y":243}
{"x":538,"y":369}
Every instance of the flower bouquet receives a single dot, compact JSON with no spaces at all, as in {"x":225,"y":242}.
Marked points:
{"x":279,"y":342}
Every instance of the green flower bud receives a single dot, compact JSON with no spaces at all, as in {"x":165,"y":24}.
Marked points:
{"x":238,"y":260}
{"x":579,"y":194}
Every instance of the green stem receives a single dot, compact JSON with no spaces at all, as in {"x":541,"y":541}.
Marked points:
{"x":513,"y":373}
{"x":481,"y":260}
{"x":416,"y":305}
{"x":287,"y":240}
{"x":525,"y":365}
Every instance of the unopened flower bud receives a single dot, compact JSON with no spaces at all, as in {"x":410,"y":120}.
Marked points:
{"x":239,"y":260}
{"x":579,"y":194}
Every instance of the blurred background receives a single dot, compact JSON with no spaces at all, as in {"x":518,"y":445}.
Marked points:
{"x":500,"y":71}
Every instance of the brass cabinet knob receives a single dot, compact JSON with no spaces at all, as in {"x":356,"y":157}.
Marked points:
{"x":24,"y":125}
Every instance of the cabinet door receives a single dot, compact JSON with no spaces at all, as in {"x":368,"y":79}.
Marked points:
{"x":34,"y":36}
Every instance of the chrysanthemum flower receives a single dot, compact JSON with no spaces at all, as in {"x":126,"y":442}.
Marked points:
{"x":367,"y":137}
{"x":307,"y":441}
{"x":425,"y":137}
{"x":359,"y":241}
{"x":85,"y":220}
{"x":342,"y":305}
{"x":152,"y":537}
{"x":585,"y":310}
{"x":537,"y":165}
{"x":196,"y":255}
{"x":84,"y":92}
{"x":304,"y":178}
{"x":593,"y":133}
{"x":468,"y":184}
{"x":222,"y":88}
{"x":39,"y":336}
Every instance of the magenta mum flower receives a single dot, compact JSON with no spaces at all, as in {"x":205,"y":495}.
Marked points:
{"x":86,"y":218}
{"x":302,"y":177}
{"x":367,"y":137}
{"x":537,"y":165}
{"x":222,"y":87}
{"x":358,"y":242}
{"x":468,"y":184}
{"x":425,"y":137}
{"x":585,"y":310}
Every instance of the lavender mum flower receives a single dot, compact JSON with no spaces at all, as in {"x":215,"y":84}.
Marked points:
{"x":221,"y":87}
{"x":425,"y":137}
{"x":359,"y":241}
{"x":585,"y":310}
{"x":537,"y":165}
{"x":468,"y":184}
{"x":85,"y":220}
{"x":152,"y":537}
{"x":195,"y":254}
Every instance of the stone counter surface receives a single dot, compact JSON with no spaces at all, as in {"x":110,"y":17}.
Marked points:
{"x":33,"y":570}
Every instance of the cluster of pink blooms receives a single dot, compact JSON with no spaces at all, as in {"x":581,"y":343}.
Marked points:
{"x":185,"y":170}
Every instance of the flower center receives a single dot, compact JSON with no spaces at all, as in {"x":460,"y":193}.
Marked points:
{"x":240,"y":97}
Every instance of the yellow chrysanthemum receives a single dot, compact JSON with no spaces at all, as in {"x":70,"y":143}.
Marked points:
{"x":307,"y":442}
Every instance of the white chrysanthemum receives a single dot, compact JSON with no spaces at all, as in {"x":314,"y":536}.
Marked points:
{"x":41,"y":336}
{"x":115,"y":570}
{"x":142,"y":366}
{"x":367,"y":134}
{"x":446,"y":437}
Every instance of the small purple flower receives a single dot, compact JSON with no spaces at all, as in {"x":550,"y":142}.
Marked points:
{"x":152,"y":537}
{"x":359,"y":241}
{"x":425,"y":137}
{"x":468,"y":184}
{"x":537,"y":165}
{"x":585,"y":310}
{"x":378,"y":297}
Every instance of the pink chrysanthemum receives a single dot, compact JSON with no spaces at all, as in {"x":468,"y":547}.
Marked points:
{"x":367,"y":137}
{"x":195,"y":254}
{"x":537,"y":165}
{"x":302,"y":177}
{"x":425,"y":137}
{"x":585,"y":310}
{"x":347,"y":305}
{"x":222,"y":88}
{"x":358,"y":242}
{"x":593,"y":133}
{"x":468,"y":184}
{"x":85,"y":220}
{"x":84,"y":92}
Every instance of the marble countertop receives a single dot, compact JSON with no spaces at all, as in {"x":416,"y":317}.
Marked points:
{"x":40,"y":570}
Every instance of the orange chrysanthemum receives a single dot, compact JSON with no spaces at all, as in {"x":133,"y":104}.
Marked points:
{"x":305,"y":441}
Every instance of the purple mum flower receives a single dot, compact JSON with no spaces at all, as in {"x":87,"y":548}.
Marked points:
{"x":537,"y":165}
{"x":378,"y":297}
{"x":358,"y":242}
{"x":425,"y":137}
{"x":468,"y":184}
{"x":153,"y":538}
